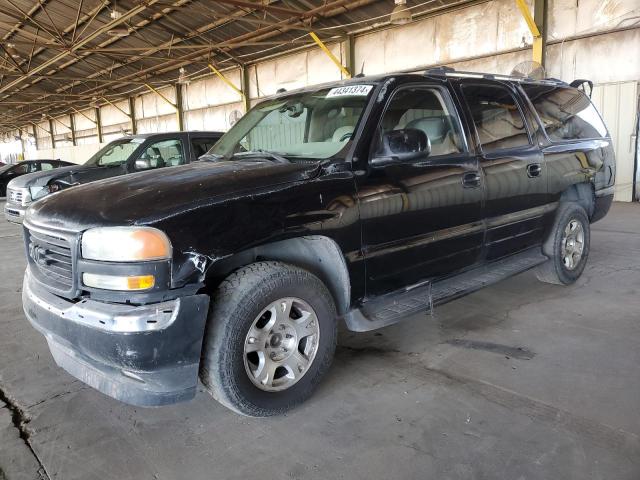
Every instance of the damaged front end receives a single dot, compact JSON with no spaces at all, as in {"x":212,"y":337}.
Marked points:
{"x":115,"y":324}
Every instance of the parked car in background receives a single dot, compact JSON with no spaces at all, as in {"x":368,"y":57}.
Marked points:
{"x":9,"y":172}
{"x":129,"y":154}
{"x":366,"y":200}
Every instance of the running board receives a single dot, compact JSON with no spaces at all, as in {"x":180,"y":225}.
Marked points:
{"x":394,"y":307}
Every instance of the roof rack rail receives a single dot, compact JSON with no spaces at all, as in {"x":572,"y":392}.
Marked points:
{"x":439,"y":70}
{"x":451,"y":72}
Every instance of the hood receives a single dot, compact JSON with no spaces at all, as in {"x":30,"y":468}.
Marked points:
{"x":148,"y":197}
{"x":40,"y":179}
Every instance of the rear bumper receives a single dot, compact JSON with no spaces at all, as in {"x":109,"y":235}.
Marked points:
{"x":14,"y":213}
{"x":141,"y":355}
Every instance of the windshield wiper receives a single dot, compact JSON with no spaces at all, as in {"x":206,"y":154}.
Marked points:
{"x":262,"y":153}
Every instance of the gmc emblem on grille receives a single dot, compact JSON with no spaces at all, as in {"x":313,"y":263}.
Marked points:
{"x":38,"y":254}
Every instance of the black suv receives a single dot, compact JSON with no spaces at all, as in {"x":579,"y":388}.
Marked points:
{"x":363,"y":201}
{"x":128,"y":154}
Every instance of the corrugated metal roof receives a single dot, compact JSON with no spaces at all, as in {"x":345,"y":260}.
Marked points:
{"x":59,"y":54}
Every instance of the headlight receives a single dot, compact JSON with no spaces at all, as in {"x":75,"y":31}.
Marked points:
{"x":125,"y":244}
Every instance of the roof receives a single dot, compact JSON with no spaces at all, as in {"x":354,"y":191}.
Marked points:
{"x":56,"y":55}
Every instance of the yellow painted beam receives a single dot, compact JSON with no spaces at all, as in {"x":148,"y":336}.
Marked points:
{"x":524,"y":9}
{"x":161,"y":96}
{"x":537,"y":49}
{"x":535,"y":31}
{"x":225,"y":79}
{"x":333,"y":58}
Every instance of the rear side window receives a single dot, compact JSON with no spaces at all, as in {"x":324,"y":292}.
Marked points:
{"x":497,"y":118}
{"x":566,"y":113}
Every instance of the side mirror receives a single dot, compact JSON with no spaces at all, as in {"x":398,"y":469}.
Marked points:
{"x":142,"y":164}
{"x":401,"y":145}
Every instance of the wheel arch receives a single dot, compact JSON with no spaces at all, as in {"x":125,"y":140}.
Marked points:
{"x":581,"y":193}
{"x":317,"y":254}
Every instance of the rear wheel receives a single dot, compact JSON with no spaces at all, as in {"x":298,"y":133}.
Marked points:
{"x":271,"y":336}
{"x":567,"y":246}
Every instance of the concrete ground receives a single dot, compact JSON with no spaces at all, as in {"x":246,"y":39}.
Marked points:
{"x":521,"y":380}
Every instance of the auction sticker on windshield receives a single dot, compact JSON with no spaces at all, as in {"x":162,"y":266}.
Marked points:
{"x":350,"y":91}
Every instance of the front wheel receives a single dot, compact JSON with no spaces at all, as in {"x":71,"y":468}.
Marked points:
{"x":270,"y":338}
{"x":567,"y":246}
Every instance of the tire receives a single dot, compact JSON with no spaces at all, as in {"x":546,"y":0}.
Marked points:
{"x":250,"y":305}
{"x":563,"y":268}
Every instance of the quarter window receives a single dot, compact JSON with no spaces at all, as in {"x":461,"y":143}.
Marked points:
{"x":566,"y":113}
{"x":497,"y":118}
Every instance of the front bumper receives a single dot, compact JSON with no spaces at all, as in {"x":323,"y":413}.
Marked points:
{"x":603,"y":201}
{"x":141,"y":355}
{"x":14,"y":213}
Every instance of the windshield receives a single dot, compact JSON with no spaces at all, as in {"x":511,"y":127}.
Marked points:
{"x":115,"y":153}
{"x":307,"y":125}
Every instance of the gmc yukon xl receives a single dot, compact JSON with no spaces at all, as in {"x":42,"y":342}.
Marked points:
{"x":363,"y":201}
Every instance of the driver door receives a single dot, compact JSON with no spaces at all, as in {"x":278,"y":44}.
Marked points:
{"x":421,"y":218}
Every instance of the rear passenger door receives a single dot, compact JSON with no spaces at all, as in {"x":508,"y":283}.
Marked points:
{"x":513,"y":167}
{"x":421,"y":218}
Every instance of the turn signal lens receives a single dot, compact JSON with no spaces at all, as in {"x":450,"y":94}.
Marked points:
{"x":125,"y":244}
{"x":111,"y":282}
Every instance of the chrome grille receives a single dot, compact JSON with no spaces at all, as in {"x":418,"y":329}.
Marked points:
{"x":15,"y":195}
{"x":51,"y":257}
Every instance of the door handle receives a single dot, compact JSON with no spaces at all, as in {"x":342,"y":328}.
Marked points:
{"x":534,"y":170}
{"x":471,"y":180}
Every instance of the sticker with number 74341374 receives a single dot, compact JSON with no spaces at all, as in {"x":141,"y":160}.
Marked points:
{"x":350,"y":91}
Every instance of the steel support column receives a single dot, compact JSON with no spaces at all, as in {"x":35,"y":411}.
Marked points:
{"x":179,"y":107}
{"x":72,"y":124}
{"x":51,"y":134}
{"x":246,"y":92}
{"x":99,"y":124}
{"x":540,"y":17}
{"x":350,"y":56}
{"x":35,"y":136}
{"x":132,"y":115}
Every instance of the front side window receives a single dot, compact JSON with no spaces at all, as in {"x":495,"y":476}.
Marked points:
{"x":201,"y":146}
{"x":46,"y":166}
{"x":307,"y":125}
{"x":496,"y":116}
{"x":165,"y":153}
{"x":426,"y":110}
{"x":115,"y":153}
{"x":566,"y":113}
